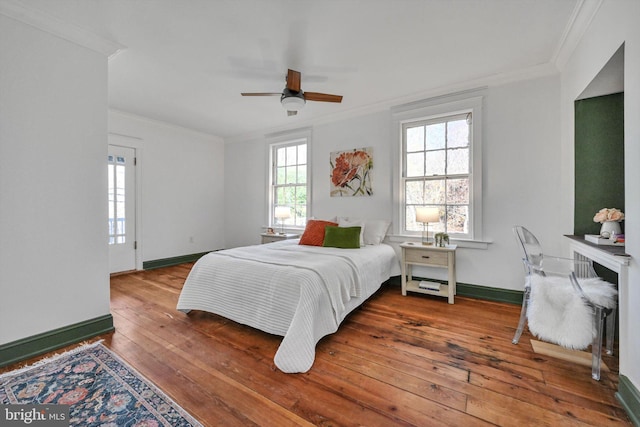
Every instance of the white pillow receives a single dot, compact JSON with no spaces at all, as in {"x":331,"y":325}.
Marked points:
{"x":375,"y":230}
{"x":344,"y":222}
{"x":333,"y":219}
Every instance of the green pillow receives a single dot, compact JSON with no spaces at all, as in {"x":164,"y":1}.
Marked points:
{"x":342,"y":237}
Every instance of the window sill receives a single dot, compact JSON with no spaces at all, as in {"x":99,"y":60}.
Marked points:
{"x":462,"y":243}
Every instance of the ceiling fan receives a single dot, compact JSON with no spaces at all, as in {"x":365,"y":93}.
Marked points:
{"x":293,"y":98}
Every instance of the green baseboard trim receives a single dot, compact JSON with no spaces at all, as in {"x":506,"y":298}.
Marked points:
{"x":35,"y":345}
{"x":168,"y":262}
{"x":476,"y":291}
{"x":491,"y":294}
{"x":629,"y":396}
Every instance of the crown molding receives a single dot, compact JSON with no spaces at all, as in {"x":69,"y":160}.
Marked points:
{"x":157,"y":122}
{"x":583,"y":14}
{"x":484,"y":82}
{"x":46,"y":22}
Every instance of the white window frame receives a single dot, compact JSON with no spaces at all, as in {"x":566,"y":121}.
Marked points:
{"x":279,"y":140}
{"x":434,"y":108}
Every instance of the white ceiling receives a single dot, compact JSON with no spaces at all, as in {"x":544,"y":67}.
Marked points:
{"x":186,"y":62}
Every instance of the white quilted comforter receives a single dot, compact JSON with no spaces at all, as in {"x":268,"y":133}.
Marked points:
{"x":299,"y":292}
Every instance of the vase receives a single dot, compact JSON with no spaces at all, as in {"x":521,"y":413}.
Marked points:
{"x":610,"y":228}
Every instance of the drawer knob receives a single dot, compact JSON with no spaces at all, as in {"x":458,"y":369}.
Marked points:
{"x":426,"y":256}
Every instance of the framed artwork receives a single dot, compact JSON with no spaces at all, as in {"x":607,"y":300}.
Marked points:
{"x":351,"y":172}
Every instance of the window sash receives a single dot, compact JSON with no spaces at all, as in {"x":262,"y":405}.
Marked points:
{"x":289,"y":182}
{"x":440,"y":165}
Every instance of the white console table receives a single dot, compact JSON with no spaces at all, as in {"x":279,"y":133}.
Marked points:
{"x":614,"y":258}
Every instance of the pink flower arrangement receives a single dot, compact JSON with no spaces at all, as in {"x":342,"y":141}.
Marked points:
{"x":608,"y":214}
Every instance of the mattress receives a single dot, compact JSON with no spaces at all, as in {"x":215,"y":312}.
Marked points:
{"x":299,"y":292}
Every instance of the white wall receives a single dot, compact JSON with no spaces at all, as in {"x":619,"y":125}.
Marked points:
{"x":521,"y":175}
{"x":182,"y":188}
{"x":372,"y":130}
{"x":615,"y":23}
{"x":521,"y":171}
{"x":246,"y":173}
{"x":245,"y":198}
{"x":53,"y":209}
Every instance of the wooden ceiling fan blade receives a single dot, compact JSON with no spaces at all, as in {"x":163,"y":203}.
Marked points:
{"x":322,"y":97}
{"x":260,"y":94}
{"x":294,"y":80}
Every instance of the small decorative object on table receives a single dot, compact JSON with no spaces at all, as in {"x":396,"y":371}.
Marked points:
{"x":442,"y":239}
{"x":610,"y":219}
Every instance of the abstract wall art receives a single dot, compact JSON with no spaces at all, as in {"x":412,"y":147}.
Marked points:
{"x":351,"y":172}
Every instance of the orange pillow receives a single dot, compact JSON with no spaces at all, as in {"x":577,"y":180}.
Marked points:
{"x":314,"y":232}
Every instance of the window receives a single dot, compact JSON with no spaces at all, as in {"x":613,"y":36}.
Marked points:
{"x":440,"y":166}
{"x":436,"y":171}
{"x":116,"y":173}
{"x":289,"y":184}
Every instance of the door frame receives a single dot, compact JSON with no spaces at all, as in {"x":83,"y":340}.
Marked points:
{"x":136,"y":144}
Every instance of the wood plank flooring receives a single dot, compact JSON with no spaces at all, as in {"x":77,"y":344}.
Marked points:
{"x":396,"y":361}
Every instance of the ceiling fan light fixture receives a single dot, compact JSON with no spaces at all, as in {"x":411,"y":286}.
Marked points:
{"x":293,"y":98}
{"x":292,"y":103}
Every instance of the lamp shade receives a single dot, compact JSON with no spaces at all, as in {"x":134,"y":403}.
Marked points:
{"x":282,"y":212}
{"x":427,"y":214}
{"x":292,"y":103}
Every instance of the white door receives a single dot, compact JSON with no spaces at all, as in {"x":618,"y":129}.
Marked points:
{"x":122,"y":207}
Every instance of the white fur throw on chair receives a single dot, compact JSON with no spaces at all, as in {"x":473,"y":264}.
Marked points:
{"x":557,"y":314}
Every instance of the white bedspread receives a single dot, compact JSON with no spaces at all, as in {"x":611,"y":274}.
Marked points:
{"x":299,"y":292}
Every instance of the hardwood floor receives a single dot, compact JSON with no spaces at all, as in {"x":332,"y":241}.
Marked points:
{"x":406,"y":361}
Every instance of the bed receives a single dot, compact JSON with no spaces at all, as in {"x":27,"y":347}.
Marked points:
{"x":299,"y":292}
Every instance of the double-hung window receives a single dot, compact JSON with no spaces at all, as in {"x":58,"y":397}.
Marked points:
{"x":440,"y":168}
{"x":289,"y":183}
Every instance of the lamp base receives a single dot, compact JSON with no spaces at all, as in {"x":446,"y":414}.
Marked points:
{"x":425,"y":236}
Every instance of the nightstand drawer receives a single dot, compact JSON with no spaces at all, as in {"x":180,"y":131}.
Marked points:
{"x":422,"y":256}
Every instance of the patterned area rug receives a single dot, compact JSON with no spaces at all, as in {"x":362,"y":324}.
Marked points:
{"x":99,"y":387}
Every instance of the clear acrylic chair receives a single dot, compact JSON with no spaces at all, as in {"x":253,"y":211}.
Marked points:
{"x":532,"y":256}
{"x":565,"y":302}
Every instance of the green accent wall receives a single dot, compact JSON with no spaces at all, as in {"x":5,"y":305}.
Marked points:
{"x":599,"y":159}
{"x":599,"y":183}
{"x":599,"y":164}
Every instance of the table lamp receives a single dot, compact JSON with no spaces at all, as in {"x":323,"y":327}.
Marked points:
{"x":282,"y":213}
{"x":425,"y":215}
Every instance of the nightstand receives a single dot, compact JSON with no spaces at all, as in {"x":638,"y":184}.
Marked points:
{"x":270,"y":238}
{"x":429,"y":256}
